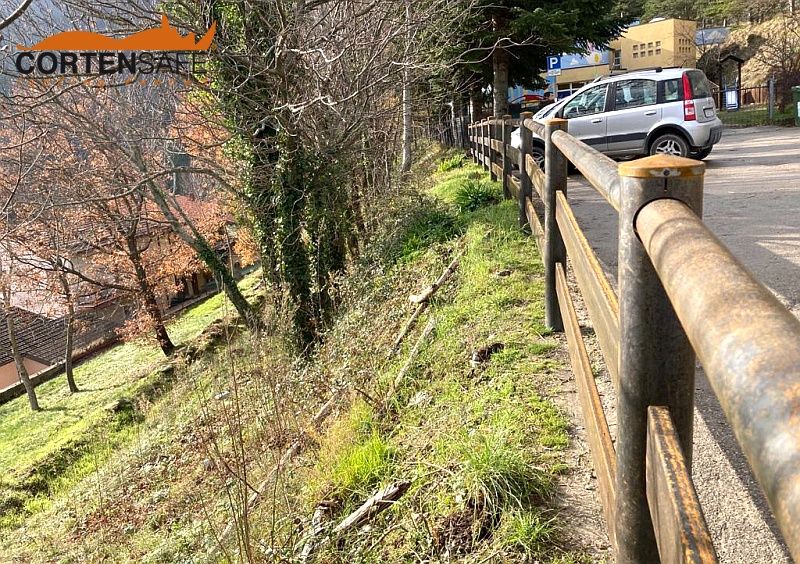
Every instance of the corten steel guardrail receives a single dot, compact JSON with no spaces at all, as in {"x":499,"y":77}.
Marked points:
{"x":681,"y":294}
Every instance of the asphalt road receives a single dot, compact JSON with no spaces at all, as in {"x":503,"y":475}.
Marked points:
{"x":752,"y":203}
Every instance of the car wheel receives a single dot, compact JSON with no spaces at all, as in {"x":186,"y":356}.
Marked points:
{"x":538,"y":156}
{"x":700,"y":155}
{"x":670,"y":144}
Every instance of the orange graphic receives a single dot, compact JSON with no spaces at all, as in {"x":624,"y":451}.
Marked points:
{"x":164,"y":38}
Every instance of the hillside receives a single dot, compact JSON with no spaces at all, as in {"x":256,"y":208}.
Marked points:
{"x":246,"y":453}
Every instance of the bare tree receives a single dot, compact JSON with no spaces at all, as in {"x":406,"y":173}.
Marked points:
{"x":6,"y":282}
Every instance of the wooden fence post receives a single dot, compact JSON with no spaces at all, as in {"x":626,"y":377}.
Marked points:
{"x":555,"y":173}
{"x":486,"y":155}
{"x":506,"y":137}
{"x":657,"y":362}
{"x":470,"y":146}
{"x":525,"y":189}
{"x":492,"y":153}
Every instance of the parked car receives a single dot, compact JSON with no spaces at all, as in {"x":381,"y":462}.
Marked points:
{"x":668,"y":111}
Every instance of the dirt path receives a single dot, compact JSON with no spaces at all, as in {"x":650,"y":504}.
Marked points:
{"x":752,"y":202}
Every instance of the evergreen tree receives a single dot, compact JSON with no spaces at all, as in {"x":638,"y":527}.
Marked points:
{"x":511,"y":38}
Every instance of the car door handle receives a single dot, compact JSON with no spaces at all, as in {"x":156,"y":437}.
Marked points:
{"x":598,"y":120}
{"x":651,"y":113}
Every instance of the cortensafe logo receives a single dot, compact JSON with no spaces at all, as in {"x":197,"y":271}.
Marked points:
{"x":84,"y":53}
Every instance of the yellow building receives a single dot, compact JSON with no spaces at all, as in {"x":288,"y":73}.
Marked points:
{"x":659,"y":43}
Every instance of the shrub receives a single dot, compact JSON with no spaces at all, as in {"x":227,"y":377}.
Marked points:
{"x":427,"y":225}
{"x":474,"y":194}
{"x":456,"y":161}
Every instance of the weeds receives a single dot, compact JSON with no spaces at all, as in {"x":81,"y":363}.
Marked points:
{"x":527,"y":531}
{"x":480,"y":444}
{"x":429,"y":223}
{"x":451,"y":163}
{"x":475,"y":194}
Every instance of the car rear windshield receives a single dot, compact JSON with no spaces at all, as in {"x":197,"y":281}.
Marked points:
{"x":700,"y":87}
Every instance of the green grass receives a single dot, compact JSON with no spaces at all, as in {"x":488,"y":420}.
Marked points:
{"x":758,"y":115}
{"x":353,"y":457}
{"x":481,"y":445}
{"x":474,"y":195}
{"x":450,"y":163}
{"x":43,"y":453}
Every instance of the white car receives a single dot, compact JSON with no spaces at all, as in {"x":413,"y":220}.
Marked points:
{"x":668,"y":111}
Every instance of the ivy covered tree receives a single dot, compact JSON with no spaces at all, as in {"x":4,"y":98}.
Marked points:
{"x":511,"y":38}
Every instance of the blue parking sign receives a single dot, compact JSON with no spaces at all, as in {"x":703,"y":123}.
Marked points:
{"x":553,"y":62}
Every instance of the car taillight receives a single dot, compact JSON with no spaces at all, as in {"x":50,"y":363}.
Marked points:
{"x":689,"y":113}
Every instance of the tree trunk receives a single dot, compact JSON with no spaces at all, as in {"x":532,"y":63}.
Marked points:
{"x":475,"y":104}
{"x":148,"y":296}
{"x":407,"y":122}
{"x":200,"y":245}
{"x":500,"y":84}
{"x":73,"y":387}
{"x":22,"y":372}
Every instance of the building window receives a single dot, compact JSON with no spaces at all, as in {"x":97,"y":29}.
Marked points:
{"x":650,"y":53}
{"x":658,"y":51}
{"x":658,"y":44}
{"x":636,"y":47}
{"x":617,"y":59}
{"x":635,"y":55}
{"x":641,"y":46}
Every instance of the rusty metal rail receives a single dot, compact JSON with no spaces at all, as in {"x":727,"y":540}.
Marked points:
{"x":681,"y":293}
{"x":748,"y":343}
{"x":598,"y":169}
{"x":681,"y":530}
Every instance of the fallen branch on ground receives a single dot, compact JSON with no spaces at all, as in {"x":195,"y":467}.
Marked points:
{"x":401,"y":375}
{"x":321,"y":515}
{"x":426,"y":294}
{"x":375,"y":505}
{"x":293,"y":450}
{"x":423,"y":299}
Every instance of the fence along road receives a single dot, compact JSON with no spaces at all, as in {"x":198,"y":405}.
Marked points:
{"x":759,"y":218}
{"x":675,"y":274}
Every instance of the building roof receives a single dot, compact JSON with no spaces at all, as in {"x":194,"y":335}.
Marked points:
{"x":38,"y":338}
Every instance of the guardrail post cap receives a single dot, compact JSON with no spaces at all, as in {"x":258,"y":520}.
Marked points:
{"x":662,"y":166}
{"x":526,"y":115}
{"x":556,"y":123}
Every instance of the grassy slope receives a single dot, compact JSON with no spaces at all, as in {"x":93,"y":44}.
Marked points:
{"x":481,"y":445}
{"x":54,"y":441}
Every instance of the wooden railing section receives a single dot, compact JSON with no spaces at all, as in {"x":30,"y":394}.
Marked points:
{"x":682,"y":295}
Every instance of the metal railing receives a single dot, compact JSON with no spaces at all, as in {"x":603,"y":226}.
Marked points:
{"x":752,"y":105}
{"x":681,"y":294}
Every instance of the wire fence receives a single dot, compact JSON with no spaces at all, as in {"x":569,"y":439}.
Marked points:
{"x":750,"y":106}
